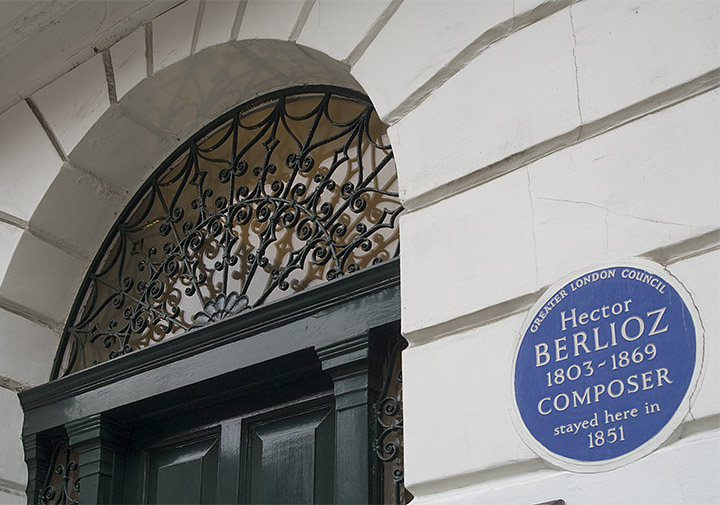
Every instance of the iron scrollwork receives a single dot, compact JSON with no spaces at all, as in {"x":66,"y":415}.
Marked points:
{"x":275,"y":196}
{"x":62,"y":485}
{"x":388,"y":443}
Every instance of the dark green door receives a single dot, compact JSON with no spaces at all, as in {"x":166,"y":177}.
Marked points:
{"x":272,"y":447}
{"x":280,"y":407}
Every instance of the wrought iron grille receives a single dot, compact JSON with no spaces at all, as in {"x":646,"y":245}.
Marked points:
{"x":278,"y":195}
{"x":62,"y":485}
{"x":388,"y":443}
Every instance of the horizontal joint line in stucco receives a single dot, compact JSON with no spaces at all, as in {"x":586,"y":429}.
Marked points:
{"x":685,"y":249}
{"x":29,"y":314}
{"x":666,"y":255}
{"x":651,"y":105}
{"x":10,"y":487}
{"x":58,"y":243}
{"x":466,"y":55}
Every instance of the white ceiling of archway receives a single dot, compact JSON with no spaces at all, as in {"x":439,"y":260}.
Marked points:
{"x":42,"y":39}
{"x":19,"y":19}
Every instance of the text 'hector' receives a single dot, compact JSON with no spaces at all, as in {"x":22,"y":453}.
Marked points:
{"x":606,"y":366}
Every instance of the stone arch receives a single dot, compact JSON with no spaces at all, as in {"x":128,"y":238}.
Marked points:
{"x":271,"y":198}
{"x":105,"y":101}
{"x":106,"y":146}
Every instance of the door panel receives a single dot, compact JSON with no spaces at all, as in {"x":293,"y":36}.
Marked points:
{"x":269,"y":454}
{"x":291,"y":459}
{"x":184,"y":473}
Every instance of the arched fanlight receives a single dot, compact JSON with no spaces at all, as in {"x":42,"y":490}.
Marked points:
{"x":283,"y":193}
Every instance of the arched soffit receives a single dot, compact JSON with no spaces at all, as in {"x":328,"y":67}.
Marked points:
{"x":166,"y":109}
{"x":127,"y":141}
{"x":284,"y":192}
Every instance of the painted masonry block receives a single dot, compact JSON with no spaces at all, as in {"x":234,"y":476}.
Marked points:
{"x":37,"y":263}
{"x":217,"y":23}
{"x":621,"y":191}
{"x":624,"y":53}
{"x":419,"y":40}
{"x":129,"y":62}
{"x":77,"y":210}
{"x":104,"y":151}
{"x":173,"y":34}
{"x":474,"y":250}
{"x":451,"y":407}
{"x":13,"y":498}
{"x":10,"y":236}
{"x":336,"y":28}
{"x":269,"y":20}
{"x":513,"y":107}
{"x":72,"y":103}
{"x":28,"y":162}
{"x":683,"y":473}
{"x":22,"y":337}
{"x":644,"y":185}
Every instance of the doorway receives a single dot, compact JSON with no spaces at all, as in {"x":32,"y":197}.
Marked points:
{"x":234,"y":335}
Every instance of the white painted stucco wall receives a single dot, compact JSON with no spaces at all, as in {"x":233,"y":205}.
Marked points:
{"x":532,"y":139}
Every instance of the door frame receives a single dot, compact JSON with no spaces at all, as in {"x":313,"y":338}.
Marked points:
{"x":339,"y":328}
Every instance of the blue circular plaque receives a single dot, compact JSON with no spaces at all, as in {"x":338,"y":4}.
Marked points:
{"x":606,"y":366}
